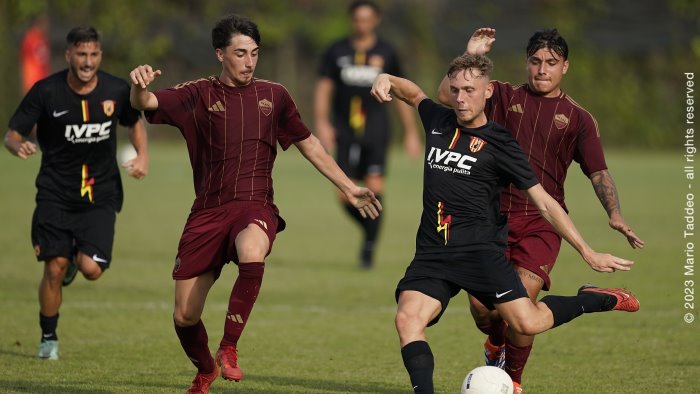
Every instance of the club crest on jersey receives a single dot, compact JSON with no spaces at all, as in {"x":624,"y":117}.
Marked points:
{"x":108,"y":107}
{"x":475,"y":144}
{"x":265,"y":106}
{"x":561,"y":121}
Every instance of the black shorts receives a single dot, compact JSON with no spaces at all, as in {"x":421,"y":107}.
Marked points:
{"x":60,"y":232}
{"x":359,"y":159}
{"x":486,"y":275}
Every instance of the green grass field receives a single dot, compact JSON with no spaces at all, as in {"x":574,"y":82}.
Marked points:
{"x":320,"y":324}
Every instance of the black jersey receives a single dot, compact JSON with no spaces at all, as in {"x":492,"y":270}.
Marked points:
{"x":464,"y":172}
{"x":356,"y":113}
{"x":77,"y":137}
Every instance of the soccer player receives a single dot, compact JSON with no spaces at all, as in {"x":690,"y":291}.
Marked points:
{"x":461,"y":240}
{"x":231,"y":124}
{"x":359,"y":131}
{"x":79,"y":189}
{"x":553,"y":130}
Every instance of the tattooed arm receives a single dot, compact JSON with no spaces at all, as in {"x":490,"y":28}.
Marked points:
{"x":605,"y":189}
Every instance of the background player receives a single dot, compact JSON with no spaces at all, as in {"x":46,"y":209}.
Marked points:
{"x":553,"y":130}
{"x":461,"y":239}
{"x":359,"y":131}
{"x":231,"y":124}
{"x":79,"y":189}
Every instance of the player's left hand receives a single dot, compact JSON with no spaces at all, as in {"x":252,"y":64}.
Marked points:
{"x":604,"y":262}
{"x":620,"y":225}
{"x":365,"y":201}
{"x":137,"y":167}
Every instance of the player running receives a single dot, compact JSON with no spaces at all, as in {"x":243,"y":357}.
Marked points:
{"x":79,"y":189}
{"x":461,"y":240}
{"x":232,"y":125}
{"x":359,"y":128}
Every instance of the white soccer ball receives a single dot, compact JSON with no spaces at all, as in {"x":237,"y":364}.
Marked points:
{"x":125,"y":153}
{"x":487,"y":380}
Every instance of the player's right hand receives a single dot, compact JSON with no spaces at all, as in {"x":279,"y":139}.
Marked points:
{"x":143,"y":75}
{"x":381,"y":87}
{"x":25,"y":149}
{"x":480,"y":42}
{"x":604,"y":262}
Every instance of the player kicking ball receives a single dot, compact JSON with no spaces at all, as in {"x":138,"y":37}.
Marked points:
{"x":461,"y":240}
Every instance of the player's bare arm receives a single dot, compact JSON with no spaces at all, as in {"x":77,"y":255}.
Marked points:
{"x":18,"y":145}
{"x":140,"y":97}
{"x":557,"y":217}
{"x":138,"y":166}
{"x":361,"y":198}
{"x":605,"y":189}
{"x":385,"y":85}
{"x":322,"y":109}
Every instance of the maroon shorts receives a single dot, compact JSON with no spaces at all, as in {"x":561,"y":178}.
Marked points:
{"x":533,"y":244}
{"x":208,"y":240}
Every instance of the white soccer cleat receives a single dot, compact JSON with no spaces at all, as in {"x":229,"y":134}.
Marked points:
{"x":48,"y":350}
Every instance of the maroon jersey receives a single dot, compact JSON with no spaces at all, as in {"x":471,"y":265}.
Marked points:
{"x":552,"y":132}
{"x":232,"y":135}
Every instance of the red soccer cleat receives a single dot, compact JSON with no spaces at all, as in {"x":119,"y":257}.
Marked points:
{"x":227,"y":359}
{"x":494,"y":356}
{"x":201,"y":382}
{"x":517,"y":389}
{"x":616,"y":299}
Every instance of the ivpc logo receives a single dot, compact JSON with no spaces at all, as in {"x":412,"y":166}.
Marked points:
{"x":449,"y":161}
{"x":87,"y":133}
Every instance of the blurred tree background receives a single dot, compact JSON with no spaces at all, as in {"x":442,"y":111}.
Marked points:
{"x":627,"y":57}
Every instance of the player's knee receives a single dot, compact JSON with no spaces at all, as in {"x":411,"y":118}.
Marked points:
{"x":406,"y":321}
{"x":55,"y":269}
{"x":185,"y":318}
{"x":524,"y":326}
{"x":252,"y":251}
{"x":93,"y":274}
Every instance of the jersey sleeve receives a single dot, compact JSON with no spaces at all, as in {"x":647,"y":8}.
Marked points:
{"x":28,"y":111}
{"x":328,"y":67}
{"x":173,"y":105}
{"x":514,"y":166}
{"x":128,"y":116}
{"x":291,"y":128}
{"x":589,"y":149}
{"x":393,"y":66}
{"x":432,"y":115}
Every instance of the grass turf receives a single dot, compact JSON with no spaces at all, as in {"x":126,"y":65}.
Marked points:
{"x":322,"y":325}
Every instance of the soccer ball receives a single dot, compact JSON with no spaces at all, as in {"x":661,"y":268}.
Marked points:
{"x":487,"y":380}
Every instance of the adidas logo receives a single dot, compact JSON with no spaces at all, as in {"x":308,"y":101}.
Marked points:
{"x":516,"y":108}
{"x":217,"y":107}
{"x":235,"y":318}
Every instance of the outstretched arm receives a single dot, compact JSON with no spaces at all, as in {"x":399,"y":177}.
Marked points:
{"x":479,"y":44}
{"x":16,"y":144}
{"x":385,"y":85}
{"x":605,"y":189}
{"x":140,"y":97}
{"x":555,"y":215}
{"x":138,"y":166}
{"x":360,"y":197}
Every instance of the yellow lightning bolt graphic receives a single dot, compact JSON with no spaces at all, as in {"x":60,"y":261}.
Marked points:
{"x":443,"y":223}
{"x":86,"y":184}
